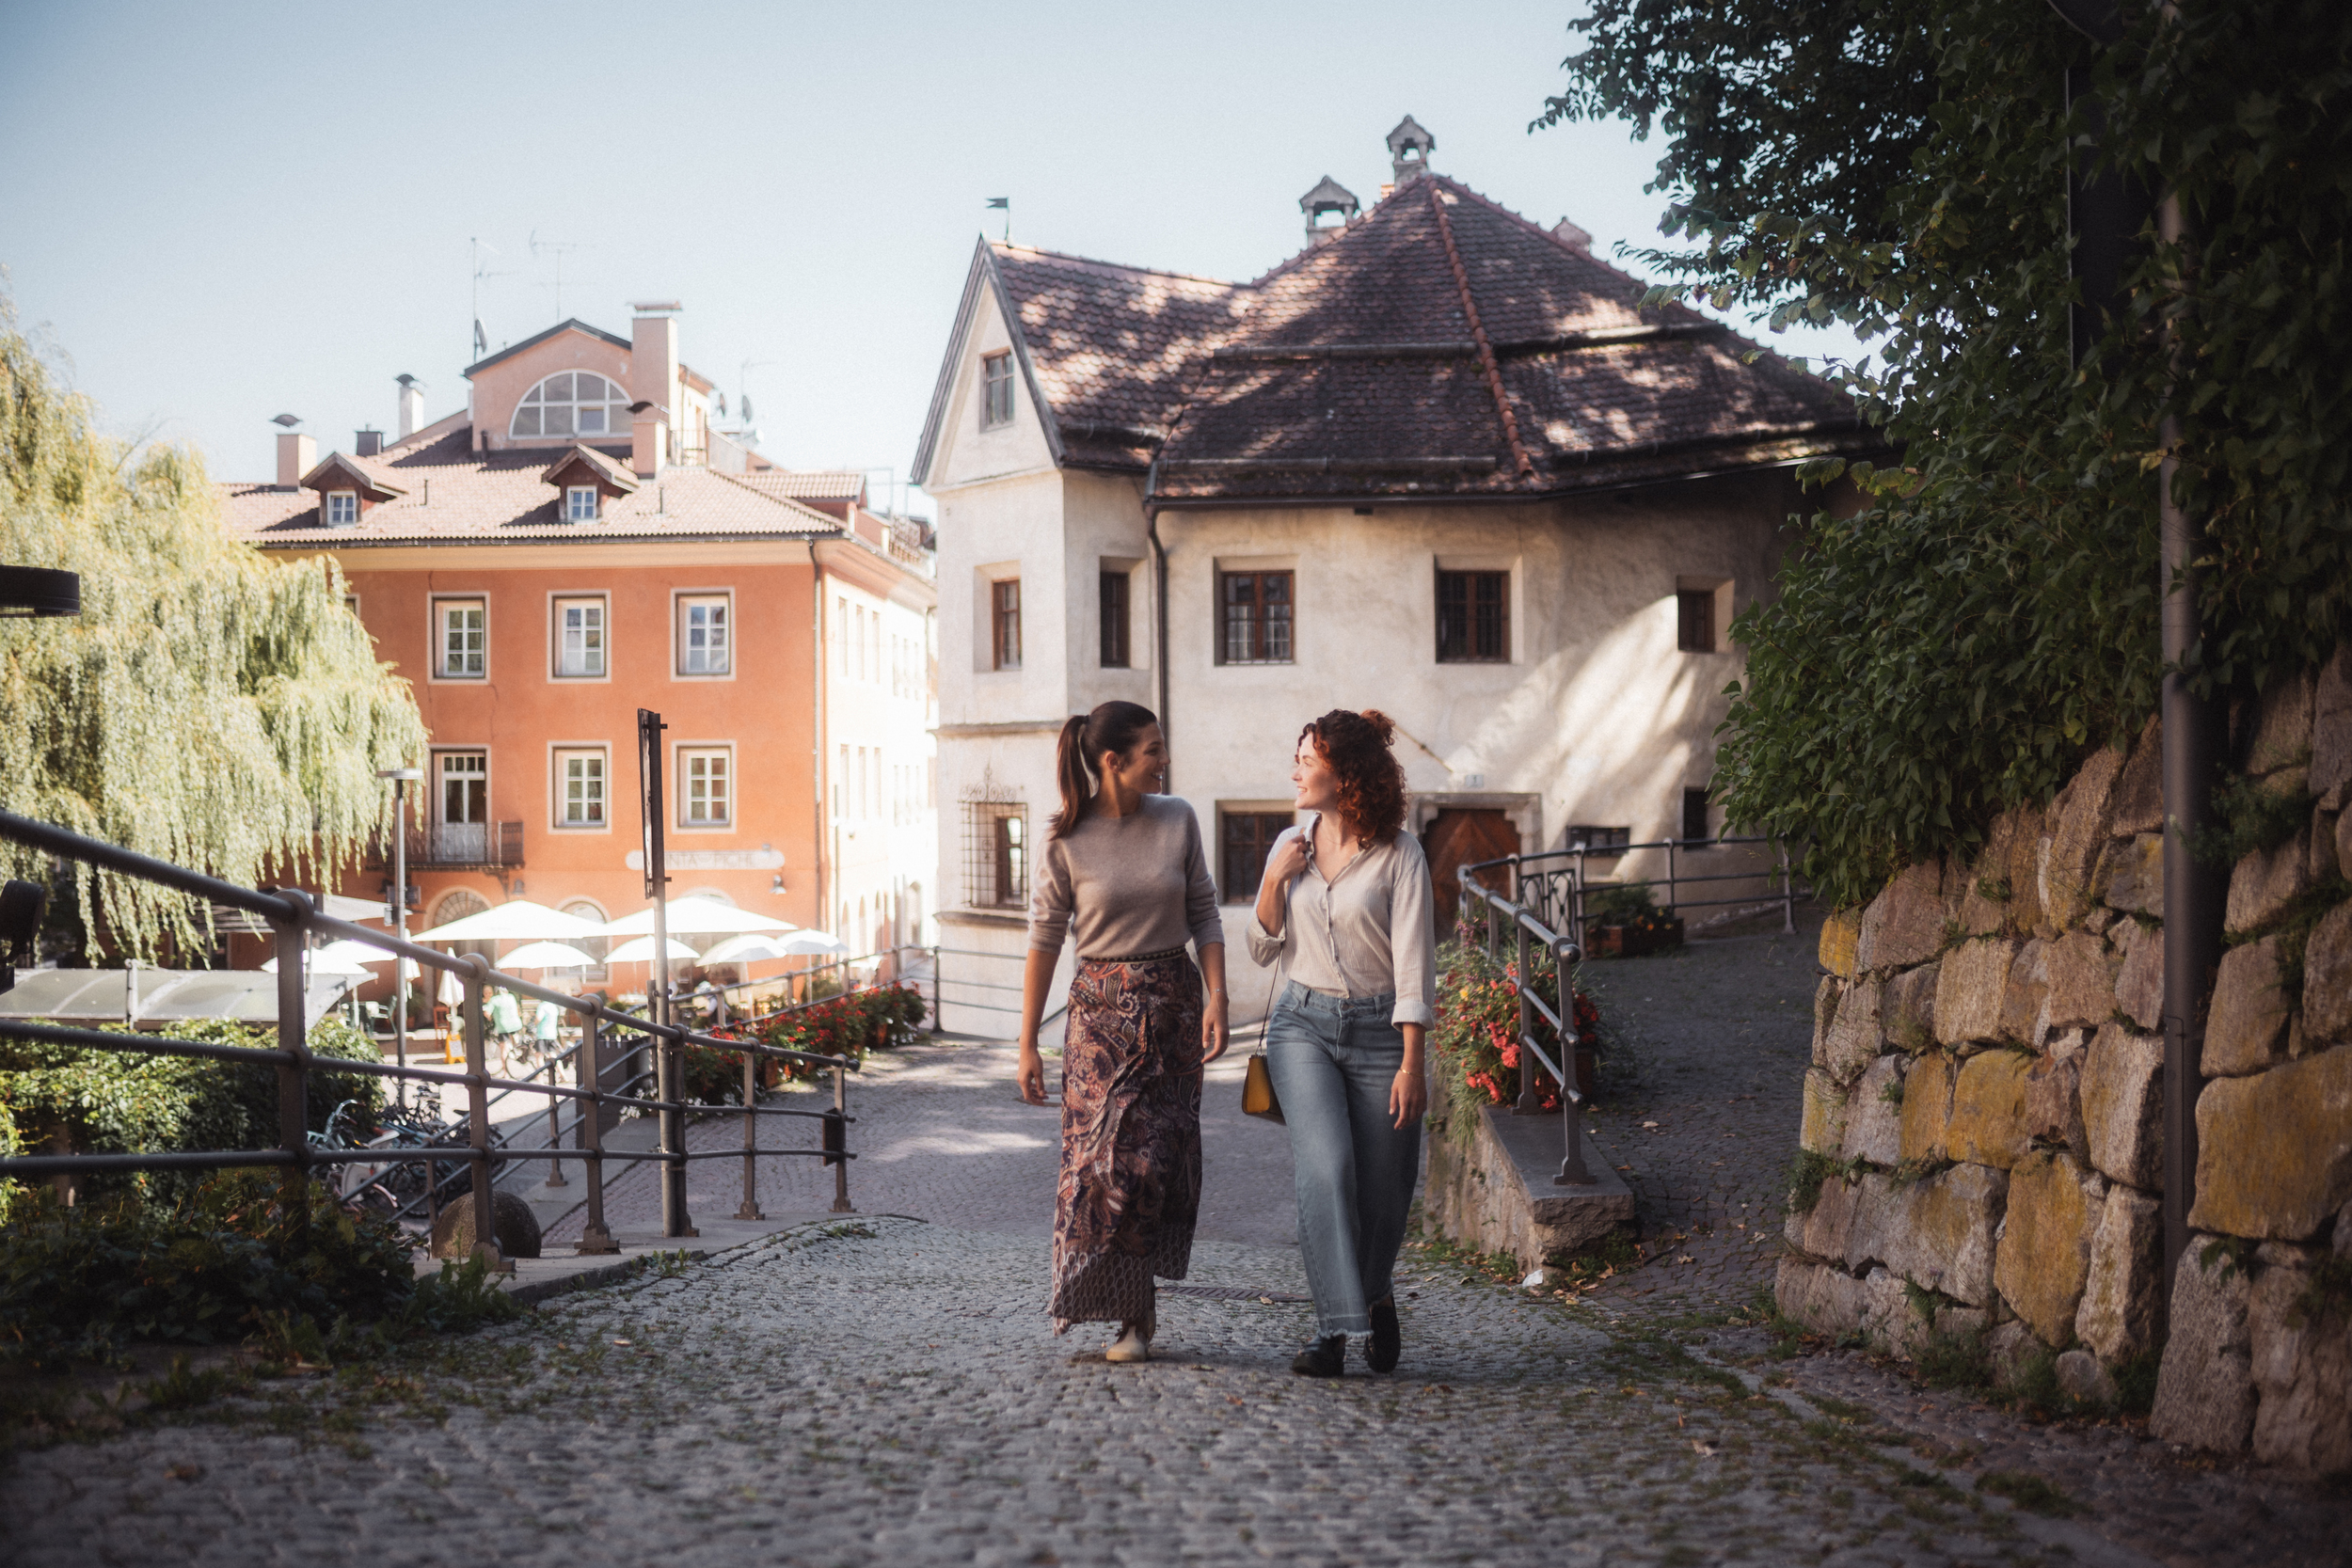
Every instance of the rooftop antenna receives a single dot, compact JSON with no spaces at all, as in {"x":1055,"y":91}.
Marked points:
{"x":556,"y":248}
{"x":481,"y":339}
{"x":1003,"y":204}
{"x":742,"y":389}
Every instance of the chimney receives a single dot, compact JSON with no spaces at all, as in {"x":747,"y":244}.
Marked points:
{"x":366,"y":443}
{"x":653,"y":370}
{"x":1570,"y":235}
{"x":1409,"y":146}
{"x":1329,"y":196}
{"x":298,"y":455}
{"x":411,"y":406}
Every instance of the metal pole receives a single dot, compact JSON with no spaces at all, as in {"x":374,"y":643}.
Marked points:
{"x":2193,"y":893}
{"x":841,"y":1204}
{"x":750,"y":1210}
{"x":668,"y":1054}
{"x":485,"y":1242}
{"x":1531,"y":1096}
{"x":594,"y":1237}
{"x":1573,"y":1171}
{"x":400,"y":929}
{"x":555,"y":1128}
{"x":293,"y":1084}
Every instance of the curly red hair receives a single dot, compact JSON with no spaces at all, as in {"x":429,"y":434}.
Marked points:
{"x":1372,"y":781}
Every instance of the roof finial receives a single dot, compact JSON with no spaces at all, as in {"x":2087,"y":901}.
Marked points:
{"x":1409,"y":146}
{"x":1328,"y":196}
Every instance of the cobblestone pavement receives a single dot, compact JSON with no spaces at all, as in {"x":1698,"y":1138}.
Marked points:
{"x":884,"y":1390}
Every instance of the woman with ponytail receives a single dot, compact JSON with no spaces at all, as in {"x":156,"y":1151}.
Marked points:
{"x":1123,"y":872}
{"x":1345,"y":905}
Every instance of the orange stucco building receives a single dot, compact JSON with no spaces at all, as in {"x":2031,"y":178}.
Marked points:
{"x":580,"y":543}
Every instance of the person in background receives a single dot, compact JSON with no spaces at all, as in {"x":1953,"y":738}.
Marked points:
{"x":503,"y":1020}
{"x":1123,"y":872}
{"x":1346,"y":903}
{"x":546,"y":1029}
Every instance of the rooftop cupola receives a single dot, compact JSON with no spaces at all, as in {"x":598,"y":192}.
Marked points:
{"x":1409,"y":146}
{"x":1328,"y":198}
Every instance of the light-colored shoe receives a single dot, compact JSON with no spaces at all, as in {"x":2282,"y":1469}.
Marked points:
{"x":1131,"y":1345}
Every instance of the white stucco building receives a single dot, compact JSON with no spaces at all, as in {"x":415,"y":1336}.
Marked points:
{"x":1438,"y":464}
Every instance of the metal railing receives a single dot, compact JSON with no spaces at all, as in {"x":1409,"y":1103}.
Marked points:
{"x":452,"y":846}
{"x":1554,"y":883}
{"x":1561,"y":1015}
{"x":293,"y":919}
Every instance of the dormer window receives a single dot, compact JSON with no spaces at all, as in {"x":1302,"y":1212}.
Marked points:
{"x":579,"y":503}
{"x":343,"y":508}
{"x":572,"y":403}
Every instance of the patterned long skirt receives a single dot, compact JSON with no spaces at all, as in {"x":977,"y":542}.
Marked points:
{"x":1130,"y":1136}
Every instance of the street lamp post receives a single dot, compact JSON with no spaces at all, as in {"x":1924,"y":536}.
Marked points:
{"x":401,"y":778}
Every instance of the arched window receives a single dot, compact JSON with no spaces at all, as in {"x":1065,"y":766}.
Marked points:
{"x":572,"y":403}
{"x":456,"y":905}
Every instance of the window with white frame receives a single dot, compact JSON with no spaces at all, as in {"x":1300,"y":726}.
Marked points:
{"x":704,"y":637}
{"x":579,"y":503}
{"x":572,"y":403}
{"x":580,"y":776}
{"x":995,"y":389}
{"x":343,"y":508}
{"x":580,"y":638}
{"x":706,"y":797}
{"x":462,"y":632}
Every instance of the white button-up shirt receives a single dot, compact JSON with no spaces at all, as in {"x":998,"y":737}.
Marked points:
{"x":1364,"y":932}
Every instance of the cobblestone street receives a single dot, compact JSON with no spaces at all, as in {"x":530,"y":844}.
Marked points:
{"x":886,"y":1389}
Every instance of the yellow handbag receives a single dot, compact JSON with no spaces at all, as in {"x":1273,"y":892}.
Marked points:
{"x":1258,"y":1097}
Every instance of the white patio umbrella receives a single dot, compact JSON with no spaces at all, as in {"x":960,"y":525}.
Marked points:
{"x":813,"y":942}
{"x":339,"y":958}
{"x":696,"y":917}
{"x":641,"y":951}
{"x":546,"y":955}
{"x":518,"y":920}
{"x":751,"y":947}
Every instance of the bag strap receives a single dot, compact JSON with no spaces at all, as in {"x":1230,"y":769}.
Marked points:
{"x":1282,"y":961}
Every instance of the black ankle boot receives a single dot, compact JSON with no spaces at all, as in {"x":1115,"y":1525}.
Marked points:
{"x":1323,"y":1358}
{"x":1387,"y":1342}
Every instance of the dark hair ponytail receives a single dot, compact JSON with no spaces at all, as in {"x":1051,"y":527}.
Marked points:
{"x":1113,"y":726}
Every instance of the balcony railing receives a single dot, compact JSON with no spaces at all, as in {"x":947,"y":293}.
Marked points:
{"x":455,"y":847}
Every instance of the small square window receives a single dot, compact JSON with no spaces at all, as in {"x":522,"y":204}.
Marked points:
{"x":1473,"y":617}
{"x":996,"y":854}
{"x":579,"y":639}
{"x":1254,"y":617}
{"x":705,"y":787}
{"x":1694,"y":621}
{"x":1005,"y":623}
{"x":1248,"y":838}
{"x":1599,"y":841}
{"x":464,"y":650}
{"x":1695,"y":825}
{"x":579,"y":502}
{"x":343,"y":508}
{"x":995,"y":390}
{"x":580,"y":789}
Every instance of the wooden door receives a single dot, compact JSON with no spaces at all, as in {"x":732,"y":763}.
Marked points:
{"x":1456,"y":838}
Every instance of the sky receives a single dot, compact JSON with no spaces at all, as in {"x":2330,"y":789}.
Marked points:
{"x":216,"y":214}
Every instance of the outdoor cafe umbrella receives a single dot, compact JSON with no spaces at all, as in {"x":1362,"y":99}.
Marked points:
{"x":641,"y":951}
{"x":751,"y":947}
{"x":546,"y":955}
{"x":339,"y":958}
{"x":811,"y":942}
{"x":518,"y":920}
{"x":694,"y":916}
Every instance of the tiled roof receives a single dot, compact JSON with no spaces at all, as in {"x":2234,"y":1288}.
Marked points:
{"x":455,"y":495}
{"x":807,"y":484}
{"x":1418,"y":353}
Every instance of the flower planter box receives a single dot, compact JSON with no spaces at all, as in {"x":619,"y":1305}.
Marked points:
{"x":1632,"y":941}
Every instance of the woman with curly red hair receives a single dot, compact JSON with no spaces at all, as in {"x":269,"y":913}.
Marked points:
{"x":1346,"y":905}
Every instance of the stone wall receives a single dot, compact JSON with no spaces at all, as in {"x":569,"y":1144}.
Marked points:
{"x":1987,"y":1079}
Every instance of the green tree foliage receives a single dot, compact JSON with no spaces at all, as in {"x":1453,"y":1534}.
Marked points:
{"x":209,"y":705}
{"x":1990,"y":612}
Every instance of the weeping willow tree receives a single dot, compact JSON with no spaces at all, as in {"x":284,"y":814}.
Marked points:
{"x":210,"y":705}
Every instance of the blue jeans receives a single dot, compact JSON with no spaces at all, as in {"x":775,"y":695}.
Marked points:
{"x":1333,"y":1059}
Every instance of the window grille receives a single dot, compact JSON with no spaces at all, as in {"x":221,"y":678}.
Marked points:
{"x":996,"y":854}
{"x":1694,"y":616}
{"x":1255,"y":612}
{"x":1005,"y":623}
{"x":1248,"y":838}
{"x":572,"y":403}
{"x":995,"y":390}
{"x":1473,"y":617}
{"x":1115,"y":650}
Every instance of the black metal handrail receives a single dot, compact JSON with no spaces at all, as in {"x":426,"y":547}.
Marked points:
{"x":293,"y":919}
{"x":1554,"y":883}
{"x":1561,"y":1016}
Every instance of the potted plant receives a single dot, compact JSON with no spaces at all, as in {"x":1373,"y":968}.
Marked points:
{"x":1622,"y":920}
